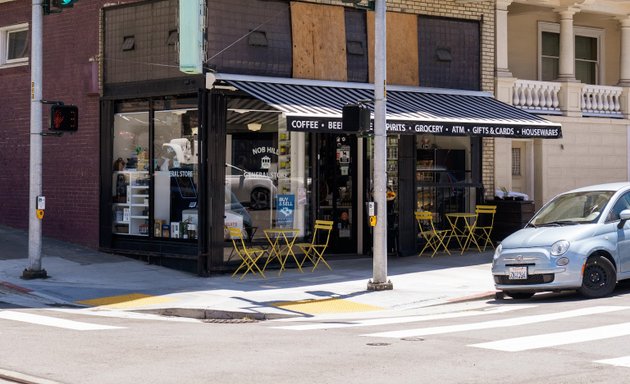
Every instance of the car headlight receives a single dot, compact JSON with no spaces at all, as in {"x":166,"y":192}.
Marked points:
{"x":559,"y":247}
{"x":497,"y":252}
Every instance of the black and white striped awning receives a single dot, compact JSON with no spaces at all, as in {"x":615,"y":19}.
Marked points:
{"x":316,"y":106}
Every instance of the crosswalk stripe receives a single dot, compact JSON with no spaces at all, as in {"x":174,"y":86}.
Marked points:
{"x":619,"y":361}
{"x":52,"y":321}
{"x":519,"y":344}
{"x":497,"y":323}
{"x":400,"y":320}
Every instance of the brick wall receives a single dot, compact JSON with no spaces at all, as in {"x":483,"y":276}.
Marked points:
{"x":70,"y":163}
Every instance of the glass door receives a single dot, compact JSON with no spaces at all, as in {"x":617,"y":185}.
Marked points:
{"x":337,"y":180}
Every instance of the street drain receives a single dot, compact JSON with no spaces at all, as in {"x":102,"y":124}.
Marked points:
{"x":378,"y":344}
{"x":230,"y":321}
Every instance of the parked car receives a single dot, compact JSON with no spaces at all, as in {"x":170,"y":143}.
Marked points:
{"x":235,"y":215}
{"x":252,"y":189}
{"x":578,"y":240}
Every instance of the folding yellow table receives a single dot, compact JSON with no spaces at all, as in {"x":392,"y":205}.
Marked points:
{"x":281,"y":242}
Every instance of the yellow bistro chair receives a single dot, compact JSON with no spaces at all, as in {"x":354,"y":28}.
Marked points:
{"x":248,"y":255}
{"x":481,"y":228}
{"x":314,"y":251}
{"x":434,"y":238}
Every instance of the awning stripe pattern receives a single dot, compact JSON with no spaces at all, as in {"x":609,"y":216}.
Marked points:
{"x":316,"y":106}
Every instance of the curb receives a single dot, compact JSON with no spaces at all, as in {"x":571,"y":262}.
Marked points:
{"x":17,"y":377}
{"x":215,"y":314}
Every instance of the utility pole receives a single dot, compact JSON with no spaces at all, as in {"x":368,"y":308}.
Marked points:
{"x":34,"y":269}
{"x":379,"y":280}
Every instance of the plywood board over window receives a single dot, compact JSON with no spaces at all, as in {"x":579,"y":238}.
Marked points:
{"x":402,"y":48}
{"x":319,"y":41}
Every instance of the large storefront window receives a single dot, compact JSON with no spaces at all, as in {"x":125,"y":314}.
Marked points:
{"x":155,"y":176}
{"x":267,"y":184}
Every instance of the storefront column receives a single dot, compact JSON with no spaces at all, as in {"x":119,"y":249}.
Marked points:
{"x":624,"y":75}
{"x":407,"y":226}
{"x":567,"y":45}
{"x":502,"y":38}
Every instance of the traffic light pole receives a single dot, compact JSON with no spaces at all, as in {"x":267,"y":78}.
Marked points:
{"x":379,"y":280}
{"x":34,"y":269}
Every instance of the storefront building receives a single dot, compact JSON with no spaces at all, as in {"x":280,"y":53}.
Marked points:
{"x":257,"y":141}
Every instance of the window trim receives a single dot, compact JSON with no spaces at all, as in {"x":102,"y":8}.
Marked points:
{"x":596,"y":33}
{"x":5,"y":62}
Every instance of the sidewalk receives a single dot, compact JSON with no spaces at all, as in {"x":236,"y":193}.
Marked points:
{"x":82,"y":277}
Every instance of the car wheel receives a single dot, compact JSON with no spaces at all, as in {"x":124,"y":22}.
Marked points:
{"x":260,"y":199}
{"x":599,"y":278}
{"x":520,"y":295}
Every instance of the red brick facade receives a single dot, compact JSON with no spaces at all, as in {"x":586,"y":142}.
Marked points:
{"x":70,"y":163}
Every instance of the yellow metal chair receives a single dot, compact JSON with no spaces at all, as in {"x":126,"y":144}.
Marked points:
{"x":481,"y":228}
{"x":249,"y":255}
{"x":434,"y":238}
{"x":314,"y":251}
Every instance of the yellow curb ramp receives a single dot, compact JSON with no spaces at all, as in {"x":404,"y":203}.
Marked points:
{"x":328,"y":305}
{"x":132,"y":300}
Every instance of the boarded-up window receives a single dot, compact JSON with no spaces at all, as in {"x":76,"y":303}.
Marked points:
{"x":356,"y":45}
{"x":249,"y":37}
{"x":449,"y":53}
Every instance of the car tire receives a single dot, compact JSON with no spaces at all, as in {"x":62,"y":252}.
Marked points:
{"x":599,"y":279}
{"x":519,"y":295}
{"x":260,"y":199}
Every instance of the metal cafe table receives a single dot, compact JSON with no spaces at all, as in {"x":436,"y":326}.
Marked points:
{"x":462,"y":224}
{"x":281,"y":242}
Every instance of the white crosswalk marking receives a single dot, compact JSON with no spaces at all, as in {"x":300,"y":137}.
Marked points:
{"x":497,"y":323}
{"x":52,"y":321}
{"x":400,"y":320}
{"x":618,"y":362}
{"x":518,"y":344}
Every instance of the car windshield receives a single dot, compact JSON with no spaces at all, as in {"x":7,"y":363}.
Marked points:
{"x":572,"y":208}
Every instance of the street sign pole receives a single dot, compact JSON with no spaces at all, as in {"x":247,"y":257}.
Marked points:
{"x":34,"y":269}
{"x":379,"y":280}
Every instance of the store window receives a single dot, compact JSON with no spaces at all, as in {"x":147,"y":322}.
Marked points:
{"x":155,"y":170}
{"x":267,"y":172}
{"x":443,"y":175}
{"x":588,"y":55}
{"x":14,"y":45}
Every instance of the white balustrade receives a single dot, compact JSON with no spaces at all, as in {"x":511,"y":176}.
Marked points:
{"x":536,"y":96}
{"x":599,"y":100}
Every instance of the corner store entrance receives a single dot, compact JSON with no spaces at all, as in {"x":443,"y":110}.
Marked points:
{"x":337,"y":187}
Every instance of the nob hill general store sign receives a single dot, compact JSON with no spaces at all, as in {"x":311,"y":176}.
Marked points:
{"x":331,"y":125}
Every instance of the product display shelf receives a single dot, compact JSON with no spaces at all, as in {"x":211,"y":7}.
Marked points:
{"x":131,"y":203}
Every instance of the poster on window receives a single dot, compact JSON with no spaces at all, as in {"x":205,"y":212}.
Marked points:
{"x":284,"y":211}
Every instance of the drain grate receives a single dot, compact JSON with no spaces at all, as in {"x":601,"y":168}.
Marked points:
{"x":230,"y":321}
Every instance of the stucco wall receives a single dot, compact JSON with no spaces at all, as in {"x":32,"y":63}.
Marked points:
{"x":591,"y":151}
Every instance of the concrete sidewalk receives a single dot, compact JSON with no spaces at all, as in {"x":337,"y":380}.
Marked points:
{"x":82,"y":277}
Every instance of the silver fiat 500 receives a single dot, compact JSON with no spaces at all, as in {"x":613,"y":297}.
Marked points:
{"x":578,"y":240}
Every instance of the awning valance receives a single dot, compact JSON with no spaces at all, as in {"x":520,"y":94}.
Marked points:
{"x":316,"y":106}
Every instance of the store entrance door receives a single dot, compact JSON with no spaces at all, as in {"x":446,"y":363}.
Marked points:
{"x":337,"y":189}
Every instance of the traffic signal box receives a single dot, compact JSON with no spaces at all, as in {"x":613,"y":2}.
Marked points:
{"x":59,"y":4}
{"x":356,"y":118}
{"x":64,"y":118}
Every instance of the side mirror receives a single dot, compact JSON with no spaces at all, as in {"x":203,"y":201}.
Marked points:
{"x":624,"y":216}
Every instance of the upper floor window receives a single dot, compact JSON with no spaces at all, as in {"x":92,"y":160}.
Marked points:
{"x":588,"y":53}
{"x":14,"y":45}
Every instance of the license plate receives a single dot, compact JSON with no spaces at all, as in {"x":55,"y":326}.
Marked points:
{"x":518,"y":273}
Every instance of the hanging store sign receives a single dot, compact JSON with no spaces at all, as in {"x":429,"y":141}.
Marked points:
{"x":332,"y":125}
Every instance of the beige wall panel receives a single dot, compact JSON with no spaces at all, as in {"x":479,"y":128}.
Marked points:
{"x":319,"y":42}
{"x":402,"y":48}
{"x":589,"y":152}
